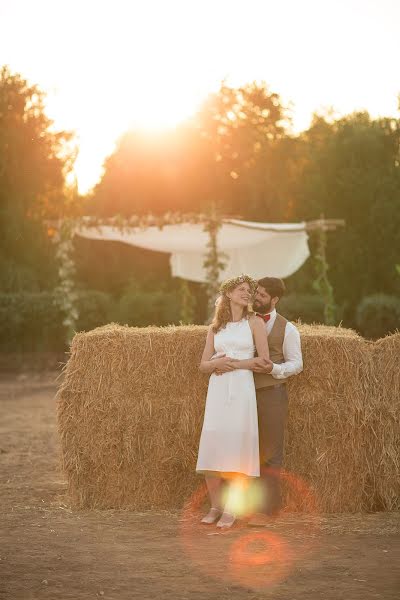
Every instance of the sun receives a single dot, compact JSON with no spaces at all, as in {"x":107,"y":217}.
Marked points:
{"x":151,"y":104}
{"x":162,"y":108}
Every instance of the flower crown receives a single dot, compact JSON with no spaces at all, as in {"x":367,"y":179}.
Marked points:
{"x":230,"y":284}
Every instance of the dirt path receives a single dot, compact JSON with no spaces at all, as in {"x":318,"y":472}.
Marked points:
{"x":50,"y":551}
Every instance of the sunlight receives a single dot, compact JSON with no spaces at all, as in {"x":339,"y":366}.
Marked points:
{"x":149,"y":65}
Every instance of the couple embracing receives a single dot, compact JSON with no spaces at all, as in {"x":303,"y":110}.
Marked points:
{"x":249,"y":356}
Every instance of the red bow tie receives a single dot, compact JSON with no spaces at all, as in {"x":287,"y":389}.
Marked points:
{"x":265,"y":317}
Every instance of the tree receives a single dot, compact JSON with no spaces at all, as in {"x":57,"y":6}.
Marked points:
{"x":351,"y":171}
{"x":243,"y":128}
{"x":34,"y":161}
{"x":220,"y":155}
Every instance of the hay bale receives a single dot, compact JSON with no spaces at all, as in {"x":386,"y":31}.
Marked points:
{"x":382,"y":491}
{"x":131,"y":405}
{"x":129,"y":411}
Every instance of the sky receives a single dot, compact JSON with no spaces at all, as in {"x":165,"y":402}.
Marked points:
{"x":108,"y":66}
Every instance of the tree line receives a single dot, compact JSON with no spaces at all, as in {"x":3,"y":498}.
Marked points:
{"x":238,"y":151}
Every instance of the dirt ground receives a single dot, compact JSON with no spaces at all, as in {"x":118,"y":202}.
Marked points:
{"x":50,"y":551}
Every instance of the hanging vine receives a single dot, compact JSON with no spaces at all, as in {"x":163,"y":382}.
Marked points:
{"x":214,"y":261}
{"x":65,"y":294}
{"x":321,"y":284}
{"x":188,"y":303}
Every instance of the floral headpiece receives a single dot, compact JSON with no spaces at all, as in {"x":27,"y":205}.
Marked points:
{"x":230,"y":284}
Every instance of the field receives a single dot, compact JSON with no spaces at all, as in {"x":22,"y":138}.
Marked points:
{"x":50,"y":551}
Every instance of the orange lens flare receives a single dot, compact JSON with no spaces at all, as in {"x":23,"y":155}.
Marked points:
{"x":260,"y":558}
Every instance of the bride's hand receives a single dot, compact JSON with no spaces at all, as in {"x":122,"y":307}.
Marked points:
{"x":224,"y":365}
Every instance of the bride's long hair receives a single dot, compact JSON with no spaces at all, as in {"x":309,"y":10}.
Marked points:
{"x":223,"y":312}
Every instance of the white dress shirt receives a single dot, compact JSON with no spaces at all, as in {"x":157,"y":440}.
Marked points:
{"x":291,"y":350}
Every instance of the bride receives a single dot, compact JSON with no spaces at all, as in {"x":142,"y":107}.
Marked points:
{"x":229,"y":438}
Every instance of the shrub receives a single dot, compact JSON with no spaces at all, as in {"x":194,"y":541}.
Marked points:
{"x":95,"y":309}
{"x":140,"y":308}
{"x":31,"y":321}
{"x":307,"y":307}
{"x":378,"y":315}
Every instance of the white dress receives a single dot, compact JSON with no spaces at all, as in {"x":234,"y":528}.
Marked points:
{"x":229,"y":438}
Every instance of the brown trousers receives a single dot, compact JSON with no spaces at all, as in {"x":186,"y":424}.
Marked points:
{"x":272,"y":406}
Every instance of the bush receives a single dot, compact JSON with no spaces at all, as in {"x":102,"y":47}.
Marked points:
{"x":378,"y":315}
{"x":31,"y":321}
{"x":16,"y":278}
{"x":140,"y":308}
{"x":307,"y":307}
{"x":95,"y":309}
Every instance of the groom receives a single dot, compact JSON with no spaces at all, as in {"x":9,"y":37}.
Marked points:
{"x":272,"y":401}
{"x":270,"y":379}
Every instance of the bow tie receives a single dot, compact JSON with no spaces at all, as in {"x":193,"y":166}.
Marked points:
{"x":265,"y":317}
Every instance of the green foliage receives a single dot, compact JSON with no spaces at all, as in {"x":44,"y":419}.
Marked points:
{"x":188,"y":303}
{"x":15,"y":277}
{"x":309,"y":308}
{"x":95,"y":309}
{"x":34,"y":161}
{"x":351,"y":170}
{"x":214,"y":260}
{"x":321,"y":284}
{"x":378,"y":315}
{"x":32,"y":321}
{"x":139,"y":308}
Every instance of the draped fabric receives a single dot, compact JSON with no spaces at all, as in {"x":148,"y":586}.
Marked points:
{"x":258,"y":249}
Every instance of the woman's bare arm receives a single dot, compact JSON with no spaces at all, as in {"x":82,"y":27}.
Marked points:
{"x":209,"y":366}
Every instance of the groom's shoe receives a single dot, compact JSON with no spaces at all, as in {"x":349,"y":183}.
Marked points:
{"x":260,"y":520}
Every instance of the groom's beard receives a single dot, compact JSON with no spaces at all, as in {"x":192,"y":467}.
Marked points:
{"x":262,"y":308}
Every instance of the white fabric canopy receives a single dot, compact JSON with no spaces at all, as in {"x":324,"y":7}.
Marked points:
{"x":258,"y":249}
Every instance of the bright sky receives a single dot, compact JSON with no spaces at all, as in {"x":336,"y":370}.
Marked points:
{"x":110,"y":65}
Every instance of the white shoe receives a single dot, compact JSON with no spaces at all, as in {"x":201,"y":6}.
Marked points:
{"x":226,"y":520}
{"x":213,"y":515}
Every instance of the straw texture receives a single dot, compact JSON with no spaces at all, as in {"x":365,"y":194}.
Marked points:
{"x":131,"y":404}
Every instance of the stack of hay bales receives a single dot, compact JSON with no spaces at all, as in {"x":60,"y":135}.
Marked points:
{"x":131,"y":405}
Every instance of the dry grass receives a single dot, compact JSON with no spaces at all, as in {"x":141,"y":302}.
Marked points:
{"x":131,"y":404}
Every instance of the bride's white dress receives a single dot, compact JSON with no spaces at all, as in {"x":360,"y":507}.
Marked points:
{"x":229,"y":438}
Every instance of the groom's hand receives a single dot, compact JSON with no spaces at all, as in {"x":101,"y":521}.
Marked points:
{"x":262,"y":365}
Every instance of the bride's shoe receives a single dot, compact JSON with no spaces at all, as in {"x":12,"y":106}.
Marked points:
{"x":226,"y":520}
{"x":212,"y":516}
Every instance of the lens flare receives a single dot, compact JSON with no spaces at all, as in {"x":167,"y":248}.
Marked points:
{"x":243,"y":496}
{"x":260,"y":558}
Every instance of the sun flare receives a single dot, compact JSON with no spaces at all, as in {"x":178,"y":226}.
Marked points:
{"x":108,"y":67}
